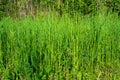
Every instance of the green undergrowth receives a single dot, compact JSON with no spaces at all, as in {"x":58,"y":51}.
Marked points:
{"x":60,"y":48}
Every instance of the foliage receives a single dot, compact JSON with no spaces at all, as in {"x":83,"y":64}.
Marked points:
{"x":84,"y":7}
{"x":59,"y":47}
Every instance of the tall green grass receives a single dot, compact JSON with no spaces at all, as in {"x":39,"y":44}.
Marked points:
{"x":60,"y":48}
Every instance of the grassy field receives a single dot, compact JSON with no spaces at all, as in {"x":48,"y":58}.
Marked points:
{"x":60,"y":48}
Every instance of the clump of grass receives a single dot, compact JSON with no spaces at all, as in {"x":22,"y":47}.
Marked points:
{"x":55,"y":47}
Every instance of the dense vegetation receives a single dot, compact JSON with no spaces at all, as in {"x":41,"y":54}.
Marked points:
{"x":59,"y":39}
{"x":60,"y":48}
{"x":15,"y":7}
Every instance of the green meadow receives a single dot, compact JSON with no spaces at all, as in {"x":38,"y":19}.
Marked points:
{"x":60,"y":48}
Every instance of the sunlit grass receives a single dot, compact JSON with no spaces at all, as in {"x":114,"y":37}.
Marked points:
{"x":60,"y":48}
